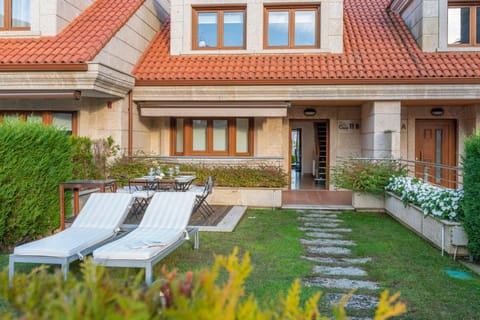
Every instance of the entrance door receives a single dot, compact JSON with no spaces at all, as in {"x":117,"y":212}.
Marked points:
{"x":435,"y":144}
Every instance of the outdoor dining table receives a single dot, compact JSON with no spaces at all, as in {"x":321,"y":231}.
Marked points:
{"x":156,"y":183}
{"x":76,"y":186}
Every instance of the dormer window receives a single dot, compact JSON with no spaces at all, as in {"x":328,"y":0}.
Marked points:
{"x":291,"y":27}
{"x":14,"y":14}
{"x":218,"y":28}
{"x":463,"y":23}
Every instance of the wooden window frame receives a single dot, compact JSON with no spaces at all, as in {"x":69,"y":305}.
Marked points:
{"x":472,"y":5}
{"x":7,"y":18}
{"x":231,"y":139}
{"x":291,"y":25}
{"x":220,"y":11}
{"x":47,"y":117}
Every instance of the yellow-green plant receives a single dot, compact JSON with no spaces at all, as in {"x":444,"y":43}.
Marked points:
{"x":216,"y":293}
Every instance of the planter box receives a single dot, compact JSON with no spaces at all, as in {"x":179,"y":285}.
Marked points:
{"x":252,"y":197}
{"x":447,"y":235}
{"x":362,"y":201}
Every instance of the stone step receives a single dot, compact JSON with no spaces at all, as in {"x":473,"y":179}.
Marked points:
{"x":324,"y":235}
{"x":318,"y":219}
{"x":321,"y":224}
{"x":356,"y":301}
{"x":336,"y":251}
{"x":345,"y":284}
{"x":319,"y":215}
{"x":318,"y":229}
{"x":340,"y":271}
{"x":327,"y":242}
{"x":320,"y":212}
{"x":340,"y":261}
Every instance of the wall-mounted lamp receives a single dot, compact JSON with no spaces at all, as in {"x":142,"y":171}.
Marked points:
{"x":309,"y":112}
{"x":437,"y":112}
{"x":109,"y":104}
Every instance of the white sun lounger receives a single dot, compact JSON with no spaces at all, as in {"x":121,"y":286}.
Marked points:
{"x":163,"y":229}
{"x":98,"y":223}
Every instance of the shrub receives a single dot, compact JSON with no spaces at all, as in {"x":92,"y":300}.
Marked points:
{"x":435,"y":201}
{"x":471,"y":186}
{"x":217,"y":293}
{"x":366,"y":175}
{"x":90,"y":157}
{"x":266,"y":176}
{"x":34,"y":160}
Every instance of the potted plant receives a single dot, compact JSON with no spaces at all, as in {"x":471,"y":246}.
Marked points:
{"x":367,"y":179}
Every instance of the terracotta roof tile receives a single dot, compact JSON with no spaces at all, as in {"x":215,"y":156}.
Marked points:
{"x":377,"y":45}
{"x":79,"y":42}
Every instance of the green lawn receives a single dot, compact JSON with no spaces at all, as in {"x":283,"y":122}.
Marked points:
{"x":401,"y":261}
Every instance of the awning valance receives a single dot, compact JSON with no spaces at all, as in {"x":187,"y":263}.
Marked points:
{"x":213,"y":109}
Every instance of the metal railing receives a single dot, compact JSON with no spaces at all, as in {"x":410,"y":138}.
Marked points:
{"x":434,"y":173}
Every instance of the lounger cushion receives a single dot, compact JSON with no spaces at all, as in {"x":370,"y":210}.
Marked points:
{"x":169,"y":210}
{"x":64,"y":244}
{"x":140,"y":244}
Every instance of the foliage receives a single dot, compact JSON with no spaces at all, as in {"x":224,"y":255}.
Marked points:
{"x":201,"y":295}
{"x":435,"y":201}
{"x":34,"y":160}
{"x":366,"y":175}
{"x":91,"y":157}
{"x":471,"y":185}
{"x":266,"y":176}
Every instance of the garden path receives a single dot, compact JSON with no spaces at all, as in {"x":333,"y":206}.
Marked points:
{"x":336,"y":271}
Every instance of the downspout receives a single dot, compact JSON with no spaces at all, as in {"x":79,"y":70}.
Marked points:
{"x":130,"y":124}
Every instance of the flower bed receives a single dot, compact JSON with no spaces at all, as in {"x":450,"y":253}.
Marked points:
{"x":430,"y":211}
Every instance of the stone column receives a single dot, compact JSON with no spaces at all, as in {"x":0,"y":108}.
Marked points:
{"x":380,"y":132}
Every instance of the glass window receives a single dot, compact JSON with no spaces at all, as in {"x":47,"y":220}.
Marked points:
{"x":292,"y":27}
{"x":463,"y":24}
{"x":242,"y":135}
{"x":179,"y":136}
{"x":34,"y":117}
{"x":221,"y":137}
{"x":20,"y":13}
{"x":199,"y":138}
{"x":15,"y":14}
{"x":218,"y":29}
{"x":63,"y":121}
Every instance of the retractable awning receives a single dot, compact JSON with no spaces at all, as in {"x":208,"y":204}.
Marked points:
{"x":213,"y":109}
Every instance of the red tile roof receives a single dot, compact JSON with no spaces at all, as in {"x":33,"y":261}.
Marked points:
{"x":378,"y":47}
{"x":79,"y":42}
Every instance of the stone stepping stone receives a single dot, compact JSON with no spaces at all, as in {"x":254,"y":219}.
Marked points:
{"x":321,"y":224}
{"x":324,"y":235}
{"x":316,"y":219}
{"x":340,"y":271}
{"x":356,"y":301}
{"x":346,"y":284}
{"x":326,"y":212}
{"x":318,"y":229}
{"x":337,"y":261}
{"x":326,"y":242}
{"x":339,"y":251}
{"x":320,"y":215}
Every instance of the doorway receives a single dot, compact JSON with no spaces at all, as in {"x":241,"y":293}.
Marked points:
{"x":435,"y":143}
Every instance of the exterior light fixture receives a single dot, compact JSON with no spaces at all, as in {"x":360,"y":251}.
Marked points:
{"x":437,"y":112}
{"x":309,"y":112}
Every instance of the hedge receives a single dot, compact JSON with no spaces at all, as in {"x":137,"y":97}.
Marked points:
{"x":471,"y":186}
{"x":34,"y":160}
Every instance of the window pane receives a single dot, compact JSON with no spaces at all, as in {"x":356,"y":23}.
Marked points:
{"x":220,"y":135}
{"x":199,"y":128}
{"x":233,"y":29}
{"x":179,"y":135}
{"x":458,"y":25}
{"x":34,"y":118}
{"x":478,"y":25}
{"x":242,"y":127}
{"x":20,"y":13}
{"x":305,"y":28}
{"x":63,"y":121}
{"x":207,"y":29}
{"x":278,"y":28}
{"x":2,"y":14}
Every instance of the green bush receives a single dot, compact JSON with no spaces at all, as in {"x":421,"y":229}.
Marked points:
{"x":34,"y":160}
{"x":217,"y":293}
{"x":124,"y":167}
{"x":471,"y":187}
{"x":90,"y":157}
{"x":366,"y":175}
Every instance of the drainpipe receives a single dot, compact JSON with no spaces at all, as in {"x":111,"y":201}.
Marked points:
{"x":130,"y":123}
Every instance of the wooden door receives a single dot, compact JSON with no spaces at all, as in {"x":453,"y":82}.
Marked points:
{"x":435,"y":145}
